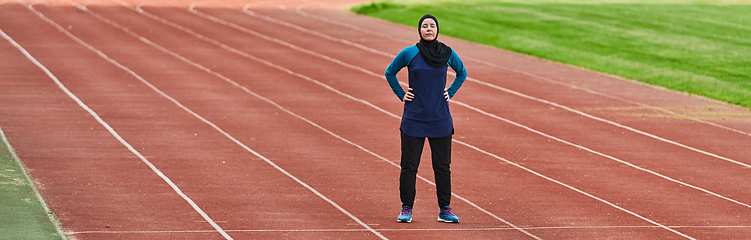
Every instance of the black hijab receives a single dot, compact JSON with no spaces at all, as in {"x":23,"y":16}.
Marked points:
{"x":435,"y":53}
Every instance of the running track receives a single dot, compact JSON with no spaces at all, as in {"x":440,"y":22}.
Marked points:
{"x":271,"y":119}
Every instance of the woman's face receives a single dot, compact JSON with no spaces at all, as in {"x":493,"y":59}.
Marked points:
{"x":428,"y":29}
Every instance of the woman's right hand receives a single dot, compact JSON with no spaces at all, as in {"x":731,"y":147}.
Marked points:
{"x":408,"y":96}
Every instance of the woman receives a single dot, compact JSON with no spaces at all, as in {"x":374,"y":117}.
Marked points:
{"x":426,"y":114}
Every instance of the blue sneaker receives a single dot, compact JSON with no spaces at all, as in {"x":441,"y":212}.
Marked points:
{"x":446,"y":215}
{"x":405,"y":216}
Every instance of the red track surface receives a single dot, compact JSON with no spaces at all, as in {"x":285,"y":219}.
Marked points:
{"x":276,"y":123}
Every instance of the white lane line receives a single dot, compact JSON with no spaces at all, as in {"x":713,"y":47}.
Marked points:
{"x":395,"y":116}
{"x":299,"y":11}
{"x":253,"y":14}
{"x":454,"y":101}
{"x":99,"y":17}
{"x":290,"y":112}
{"x":103,"y":123}
{"x":271,"y":3}
{"x":315,"y":33}
{"x":47,"y":210}
{"x":416,"y":229}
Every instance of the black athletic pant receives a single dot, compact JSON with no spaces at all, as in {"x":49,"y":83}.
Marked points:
{"x":440,"y":149}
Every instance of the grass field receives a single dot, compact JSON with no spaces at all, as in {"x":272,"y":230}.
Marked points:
{"x":698,"y":47}
{"x":22,"y":216}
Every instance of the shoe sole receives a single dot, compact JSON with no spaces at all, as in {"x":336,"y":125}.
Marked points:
{"x":404,"y":221}
{"x":447,"y":221}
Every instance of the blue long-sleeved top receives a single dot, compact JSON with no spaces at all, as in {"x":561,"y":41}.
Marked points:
{"x":427,"y":115}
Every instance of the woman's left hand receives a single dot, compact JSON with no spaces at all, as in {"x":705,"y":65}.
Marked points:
{"x":446,"y":94}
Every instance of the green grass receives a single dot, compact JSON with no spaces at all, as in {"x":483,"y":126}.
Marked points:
{"x":698,"y":47}
{"x":22,"y":216}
